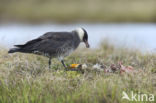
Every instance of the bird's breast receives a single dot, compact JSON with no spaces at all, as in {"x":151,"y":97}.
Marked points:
{"x":65,"y":51}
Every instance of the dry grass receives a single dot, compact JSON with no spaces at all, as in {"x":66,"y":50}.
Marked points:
{"x":26,"y":78}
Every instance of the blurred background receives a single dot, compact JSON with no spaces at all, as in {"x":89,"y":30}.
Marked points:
{"x":129,"y":23}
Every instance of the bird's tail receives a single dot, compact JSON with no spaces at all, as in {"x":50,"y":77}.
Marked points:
{"x":13,"y":50}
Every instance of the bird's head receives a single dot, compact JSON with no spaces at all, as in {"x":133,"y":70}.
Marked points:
{"x":82,"y":33}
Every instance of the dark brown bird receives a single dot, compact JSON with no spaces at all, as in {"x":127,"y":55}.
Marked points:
{"x":54,"y":44}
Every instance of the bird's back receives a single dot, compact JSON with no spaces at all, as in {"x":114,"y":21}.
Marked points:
{"x":51,"y":44}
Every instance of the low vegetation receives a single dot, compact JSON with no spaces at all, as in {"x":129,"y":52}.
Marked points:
{"x":67,"y":11}
{"x":25,"y":78}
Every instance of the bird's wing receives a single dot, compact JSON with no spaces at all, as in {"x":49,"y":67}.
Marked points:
{"x":49,"y":42}
{"x":29,"y":43}
{"x":49,"y":45}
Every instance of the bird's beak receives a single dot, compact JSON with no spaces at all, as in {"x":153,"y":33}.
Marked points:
{"x":87,"y":44}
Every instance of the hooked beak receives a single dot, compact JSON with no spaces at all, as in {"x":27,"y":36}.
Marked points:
{"x":87,"y":44}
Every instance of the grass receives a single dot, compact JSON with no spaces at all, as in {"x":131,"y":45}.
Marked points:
{"x":25,"y":78}
{"x":67,"y":11}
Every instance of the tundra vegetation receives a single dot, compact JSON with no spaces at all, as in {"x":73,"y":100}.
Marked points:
{"x":68,"y":11}
{"x":26,"y":78}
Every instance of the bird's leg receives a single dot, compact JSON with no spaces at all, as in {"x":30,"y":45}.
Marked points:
{"x":49,"y":62}
{"x":64,"y":64}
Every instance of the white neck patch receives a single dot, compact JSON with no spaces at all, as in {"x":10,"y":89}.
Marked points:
{"x":80,"y":33}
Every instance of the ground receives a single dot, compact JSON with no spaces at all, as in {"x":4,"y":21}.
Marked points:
{"x":26,"y":78}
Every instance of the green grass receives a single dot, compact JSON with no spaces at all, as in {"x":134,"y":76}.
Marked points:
{"x":67,"y":11}
{"x":25,"y":78}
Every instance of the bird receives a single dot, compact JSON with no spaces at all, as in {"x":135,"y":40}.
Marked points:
{"x":54,"y":44}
